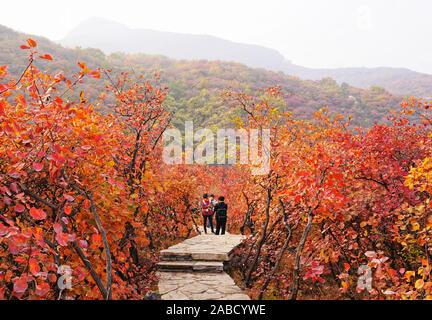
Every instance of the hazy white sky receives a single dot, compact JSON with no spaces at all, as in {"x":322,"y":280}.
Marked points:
{"x":313,"y":33}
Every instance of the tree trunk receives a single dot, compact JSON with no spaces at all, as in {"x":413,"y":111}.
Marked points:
{"x":296,"y":272}
{"x":261,"y":241}
{"x":276,"y":266}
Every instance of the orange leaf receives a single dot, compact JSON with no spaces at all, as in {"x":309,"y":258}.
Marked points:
{"x":95,"y":74}
{"x":46,"y":56}
{"x":31,"y":43}
{"x":34,"y":266}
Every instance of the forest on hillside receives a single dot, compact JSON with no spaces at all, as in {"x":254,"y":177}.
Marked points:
{"x":82,"y":182}
{"x":196,"y":86}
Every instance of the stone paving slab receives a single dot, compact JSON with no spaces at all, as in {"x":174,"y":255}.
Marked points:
{"x":204,"y":247}
{"x":194,"y":257}
{"x":199,"y":286}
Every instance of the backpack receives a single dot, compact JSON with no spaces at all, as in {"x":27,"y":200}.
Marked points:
{"x":206,"y":208}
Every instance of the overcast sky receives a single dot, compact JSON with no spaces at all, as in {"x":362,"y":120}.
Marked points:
{"x":312,"y":33}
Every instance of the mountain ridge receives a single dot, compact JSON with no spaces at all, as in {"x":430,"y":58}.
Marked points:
{"x":110,"y":36}
{"x":113,"y":37}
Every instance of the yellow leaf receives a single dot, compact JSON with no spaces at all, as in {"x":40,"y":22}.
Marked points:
{"x":344,"y":285}
{"x":409,"y":274}
{"x":419,"y":284}
{"x":93,"y":128}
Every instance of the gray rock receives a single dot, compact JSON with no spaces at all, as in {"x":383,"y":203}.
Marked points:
{"x":152,"y":296}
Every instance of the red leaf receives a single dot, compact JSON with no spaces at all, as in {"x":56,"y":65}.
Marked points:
{"x":15,"y":175}
{"x":4,"y":86}
{"x":20,"y":286}
{"x":52,"y":277}
{"x":5,"y":190}
{"x":37,"y":214}
{"x":68,"y":210}
{"x":7,"y":200}
{"x":3,"y":230}
{"x":57,"y":227}
{"x":8,"y":129}
{"x":86,"y":204}
{"x":42,"y":289}
{"x":13,"y":248}
{"x":19,"y":208}
{"x":14,"y":187}
{"x":31,"y":43}
{"x":24,"y":47}
{"x":83,"y":244}
{"x":38,"y":166}
{"x":2,"y":107}
{"x":62,"y":238}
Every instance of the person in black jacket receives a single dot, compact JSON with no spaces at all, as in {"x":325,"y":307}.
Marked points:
{"x":220,"y":210}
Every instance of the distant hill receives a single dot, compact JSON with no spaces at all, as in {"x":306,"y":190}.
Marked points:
{"x":398,"y":81}
{"x":112,"y":37}
{"x":195,"y":86}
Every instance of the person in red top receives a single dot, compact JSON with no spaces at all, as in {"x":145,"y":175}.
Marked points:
{"x":207,"y":211}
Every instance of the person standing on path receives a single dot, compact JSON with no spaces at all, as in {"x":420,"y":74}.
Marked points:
{"x":220,"y":210}
{"x":213,"y":202}
{"x":207,"y":211}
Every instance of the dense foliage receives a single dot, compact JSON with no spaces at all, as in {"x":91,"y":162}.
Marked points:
{"x":88,"y":190}
{"x":337,"y":202}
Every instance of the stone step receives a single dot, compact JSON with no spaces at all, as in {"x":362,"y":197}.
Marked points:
{"x":199,"y":286}
{"x":174,"y":255}
{"x":193,"y":269}
{"x":191,"y":266}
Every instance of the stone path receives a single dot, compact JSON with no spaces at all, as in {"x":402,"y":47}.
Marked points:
{"x":193,"y":269}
